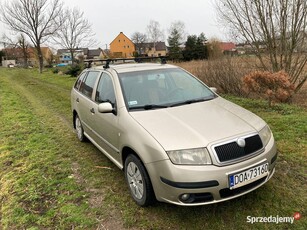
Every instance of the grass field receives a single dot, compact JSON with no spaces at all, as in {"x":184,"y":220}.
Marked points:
{"x":49,"y":180}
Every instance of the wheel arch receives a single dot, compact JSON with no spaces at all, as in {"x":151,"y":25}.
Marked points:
{"x":126,"y":152}
{"x":74,"y":118}
{"x":150,"y":190}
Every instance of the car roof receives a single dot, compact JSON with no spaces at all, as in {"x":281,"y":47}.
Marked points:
{"x":132,"y":67}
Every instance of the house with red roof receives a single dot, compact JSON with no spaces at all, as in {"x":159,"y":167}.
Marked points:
{"x":228,"y":48}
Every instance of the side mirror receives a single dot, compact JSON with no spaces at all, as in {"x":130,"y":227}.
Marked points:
{"x":213,"y":89}
{"x":105,"y":107}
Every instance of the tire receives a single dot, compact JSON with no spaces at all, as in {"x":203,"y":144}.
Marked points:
{"x":79,"y":129}
{"x":138,"y":182}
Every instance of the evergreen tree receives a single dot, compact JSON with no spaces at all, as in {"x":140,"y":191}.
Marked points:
{"x":2,"y":54}
{"x":174,"y":45}
{"x":195,"y":48}
{"x":189,"y":52}
{"x":176,"y":39}
{"x":201,"y":48}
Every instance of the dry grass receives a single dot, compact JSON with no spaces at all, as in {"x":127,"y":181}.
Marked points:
{"x":226,"y":75}
{"x":300,"y":98}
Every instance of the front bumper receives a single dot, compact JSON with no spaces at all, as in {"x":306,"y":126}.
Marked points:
{"x":206,"y":184}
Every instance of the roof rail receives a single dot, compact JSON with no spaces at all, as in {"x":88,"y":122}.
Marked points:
{"x":114,"y":60}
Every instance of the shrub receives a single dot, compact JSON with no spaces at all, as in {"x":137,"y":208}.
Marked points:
{"x":74,"y":70}
{"x":275,"y":87}
{"x":225,"y":73}
{"x":48,"y":66}
{"x":55,"y":71}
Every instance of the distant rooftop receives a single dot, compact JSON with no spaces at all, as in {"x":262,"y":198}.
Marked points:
{"x":227,"y":46}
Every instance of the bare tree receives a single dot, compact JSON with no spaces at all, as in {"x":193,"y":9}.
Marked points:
{"x":19,"y":47}
{"x":154,"y":32}
{"x":24,"y":46}
{"x":139,"y":39}
{"x":34,"y":18}
{"x":179,"y":27}
{"x":75,"y":31}
{"x":277,"y":26}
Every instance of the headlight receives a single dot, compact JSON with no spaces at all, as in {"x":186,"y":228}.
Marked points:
{"x":190,"y":156}
{"x":265,"y":135}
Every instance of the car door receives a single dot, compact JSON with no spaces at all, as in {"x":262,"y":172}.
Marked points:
{"x":105,"y":125}
{"x":84,"y":100}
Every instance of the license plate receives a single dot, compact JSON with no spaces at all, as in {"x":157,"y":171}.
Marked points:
{"x":248,"y":176}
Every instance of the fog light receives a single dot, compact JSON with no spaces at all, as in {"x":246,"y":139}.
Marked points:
{"x":185,"y":197}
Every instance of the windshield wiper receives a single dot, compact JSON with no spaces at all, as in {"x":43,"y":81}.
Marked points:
{"x":148,"y":107}
{"x":191,"y":101}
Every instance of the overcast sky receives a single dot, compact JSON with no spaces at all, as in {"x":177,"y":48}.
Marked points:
{"x":110,"y":17}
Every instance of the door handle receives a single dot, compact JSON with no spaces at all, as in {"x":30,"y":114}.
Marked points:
{"x":92,"y":110}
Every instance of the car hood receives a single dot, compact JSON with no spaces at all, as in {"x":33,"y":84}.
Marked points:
{"x":197,"y":125}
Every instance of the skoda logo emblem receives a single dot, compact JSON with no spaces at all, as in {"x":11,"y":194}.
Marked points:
{"x":241,"y":142}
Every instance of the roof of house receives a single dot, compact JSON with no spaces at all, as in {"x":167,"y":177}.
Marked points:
{"x":227,"y":46}
{"x":61,"y":51}
{"x":93,"y":53}
{"x":18,"y":52}
{"x":121,"y":33}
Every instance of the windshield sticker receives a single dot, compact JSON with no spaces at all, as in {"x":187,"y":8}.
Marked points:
{"x":132,"y":102}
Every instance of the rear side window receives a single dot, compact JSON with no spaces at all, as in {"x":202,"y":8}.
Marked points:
{"x":88,"y":83}
{"x":79,"y":81}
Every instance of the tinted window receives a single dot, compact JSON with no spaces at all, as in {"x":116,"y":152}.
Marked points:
{"x":88,"y":84}
{"x":80,"y":79}
{"x":105,"y":90}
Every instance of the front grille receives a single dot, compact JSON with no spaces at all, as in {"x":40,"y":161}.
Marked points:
{"x":232,"y":150}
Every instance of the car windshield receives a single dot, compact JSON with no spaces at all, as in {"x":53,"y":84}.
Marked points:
{"x":152,"y":89}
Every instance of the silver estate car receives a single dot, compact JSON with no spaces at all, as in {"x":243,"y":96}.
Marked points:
{"x":176,"y":140}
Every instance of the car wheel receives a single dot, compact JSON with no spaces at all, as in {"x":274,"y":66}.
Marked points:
{"x":138,"y":181}
{"x":79,"y":129}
